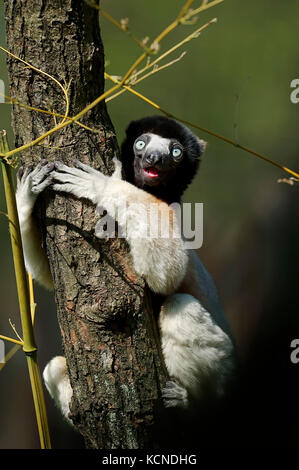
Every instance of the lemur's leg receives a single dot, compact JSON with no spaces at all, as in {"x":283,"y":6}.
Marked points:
{"x":31,"y":182}
{"x":58,"y":384}
{"x":161,"y":260}
{"x":198,"y":354}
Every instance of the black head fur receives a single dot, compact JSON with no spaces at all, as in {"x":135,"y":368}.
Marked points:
{"x":167,"y":128}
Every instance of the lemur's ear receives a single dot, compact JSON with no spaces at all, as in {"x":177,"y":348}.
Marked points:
{"x":202,"y":145}
{"x":195,"y":146}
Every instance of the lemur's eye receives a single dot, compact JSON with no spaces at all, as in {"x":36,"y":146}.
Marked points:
{"x":140,"y":144}
{"x":176,"y":152}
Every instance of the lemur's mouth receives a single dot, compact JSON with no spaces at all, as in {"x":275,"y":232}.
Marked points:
{"x":151,"y":172}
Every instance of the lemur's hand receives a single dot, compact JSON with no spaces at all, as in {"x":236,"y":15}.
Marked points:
{"x":30,"y":183}
{"x":82,"y":180}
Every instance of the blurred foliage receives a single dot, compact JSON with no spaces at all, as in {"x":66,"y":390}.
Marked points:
{"x":250,"y":221}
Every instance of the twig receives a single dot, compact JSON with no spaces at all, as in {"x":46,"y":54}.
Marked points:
{"x":61,"y":125}
{"x":204,"y":6}
{"x":44,"y":111}
{"x":18,"y":344}
{"x":185,"y":8}
{"x":116,"y":23}
{"x":64,"y":90}
{"x":11,"y":340}
{"x":125,"y":30}
{"x":13,"y":326}
{"x":189,"y":38}
{"x":161,"y":36}
{"x":155,"y":70}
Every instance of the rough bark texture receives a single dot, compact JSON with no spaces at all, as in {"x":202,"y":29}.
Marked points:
{"x":103,"y":311}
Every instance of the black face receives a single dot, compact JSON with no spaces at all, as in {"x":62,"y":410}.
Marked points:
{"x":160,"y":156}
{"x":156,"y":159}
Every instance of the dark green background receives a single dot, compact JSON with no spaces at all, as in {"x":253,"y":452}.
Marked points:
{"x":250,"y":221}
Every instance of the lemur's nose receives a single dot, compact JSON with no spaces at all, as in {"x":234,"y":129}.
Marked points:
{"x":153,"y":159}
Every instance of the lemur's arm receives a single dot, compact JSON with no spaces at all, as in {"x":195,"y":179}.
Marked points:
{"x":161,"y":260}
{"x":29,"y":185}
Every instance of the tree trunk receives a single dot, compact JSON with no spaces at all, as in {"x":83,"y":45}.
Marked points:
{"x":104,"y":310}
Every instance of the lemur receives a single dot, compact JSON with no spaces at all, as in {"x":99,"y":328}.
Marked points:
{"x":160,"y":158}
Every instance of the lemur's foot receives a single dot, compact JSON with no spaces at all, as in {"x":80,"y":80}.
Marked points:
{"x":58,"y":384}
{"x":174,"y":395}
{"x":35,"y":180}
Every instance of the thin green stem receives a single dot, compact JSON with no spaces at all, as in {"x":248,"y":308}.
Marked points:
{"x":39,"y":401}
{"x":29,"y":345}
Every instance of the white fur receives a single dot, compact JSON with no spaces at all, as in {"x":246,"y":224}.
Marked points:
{"x":30,"y":185}
{"x":162,"y":261}
{"x":158,"y":144}
{"x":198,"y":354}
{"x":58,"y":384}
{"x":196,"y":351}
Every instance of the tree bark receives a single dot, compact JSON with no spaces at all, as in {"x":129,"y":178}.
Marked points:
{"x":104,"y":310}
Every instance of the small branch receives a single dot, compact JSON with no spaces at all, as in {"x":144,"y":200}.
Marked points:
{"x":161,"y":36}
{"x":189,"y":38}
{"x":204,"y":6}
{"x":11,"y":340}
{"x":124,"y":29}
{"x":61,"y":125}
{"x":44,"y":111}
{"x":185,"y":8}
{"x":18,"y":344}
{"x":158,"y":69}
{"x":64,"y":90}
{"x":13,"y":326}
{"x":152,"y":72}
